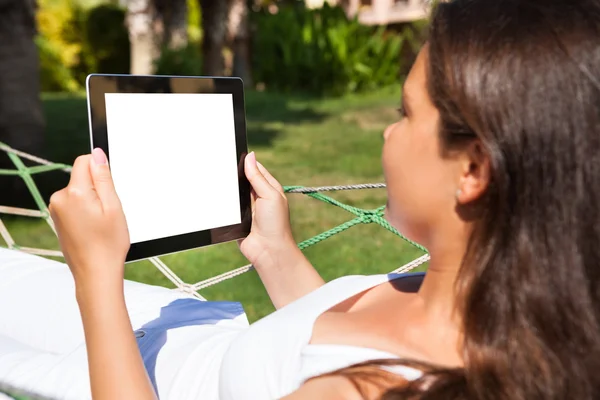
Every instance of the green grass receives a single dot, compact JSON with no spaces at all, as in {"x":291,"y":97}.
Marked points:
{"x":302,"y":141}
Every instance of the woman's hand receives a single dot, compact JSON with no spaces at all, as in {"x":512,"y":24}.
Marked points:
{"x":93,"y":236}
{"x":271,"y":233}
{"x":270,"y":247}
{"x":90,"y":223}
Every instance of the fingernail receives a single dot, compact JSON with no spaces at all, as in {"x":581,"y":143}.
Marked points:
{"x":252,"y":158}
{"x":99,"y":157}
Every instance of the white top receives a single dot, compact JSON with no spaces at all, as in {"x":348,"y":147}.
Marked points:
{"x":273,"y":357}
{"x":191,"y":349}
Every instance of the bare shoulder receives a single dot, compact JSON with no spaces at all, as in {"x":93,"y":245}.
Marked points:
{"x":328,"y":387}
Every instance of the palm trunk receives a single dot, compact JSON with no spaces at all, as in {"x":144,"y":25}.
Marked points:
{"x":175,"y":14}
{"x":239,"y":34}
{"x":214,"y":24}
{"x":21,"y":114}
{"x":145,"y":34}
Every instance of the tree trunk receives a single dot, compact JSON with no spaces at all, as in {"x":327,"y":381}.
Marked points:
{"x":239,"y":36}
{"x":214,"y":25}
{"x":145,"y":34}
{"x":21,"y":113}
{"x":174,"y":14}
{"x":351,"y":7}
{"x":153,"y":24}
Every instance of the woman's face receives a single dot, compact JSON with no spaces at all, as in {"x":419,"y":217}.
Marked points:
{"x":421,"y":184}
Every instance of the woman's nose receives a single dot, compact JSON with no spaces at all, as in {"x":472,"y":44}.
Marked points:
{"x":388,"y":131}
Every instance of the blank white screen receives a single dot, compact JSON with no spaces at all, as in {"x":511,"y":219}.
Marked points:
{"x":173,"y":159}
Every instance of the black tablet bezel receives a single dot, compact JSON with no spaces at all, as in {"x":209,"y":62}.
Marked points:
{"x":100,"y":84}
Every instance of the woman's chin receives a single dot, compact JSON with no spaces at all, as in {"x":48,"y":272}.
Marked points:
{"x":397,"y":223}
{"x":388,"y":216}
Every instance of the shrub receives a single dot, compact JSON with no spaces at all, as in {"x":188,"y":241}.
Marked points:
{"x":75,"y":41}
{"x":186,"y":60}
{"x":54,"y":75}
{"x":106,"y":43}
{"x":321,"y":51}
{"x":57,"y":55}
{"x":194,"y":22}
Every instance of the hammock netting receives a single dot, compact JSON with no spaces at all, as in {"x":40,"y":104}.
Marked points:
{"x":360,"y":216}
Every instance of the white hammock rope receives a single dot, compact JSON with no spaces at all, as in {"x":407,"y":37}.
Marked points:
{"x":412,"y":265}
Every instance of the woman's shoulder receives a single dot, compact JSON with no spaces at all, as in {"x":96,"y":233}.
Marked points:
{"x":391,"y":276}
{"x":331,"y":387}
{"x":406,"y":281}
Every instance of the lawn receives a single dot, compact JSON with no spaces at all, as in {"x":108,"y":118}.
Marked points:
{"x":302,"y":141}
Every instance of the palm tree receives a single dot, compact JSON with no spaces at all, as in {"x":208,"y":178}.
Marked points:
{"x":174,"y":14}
{"x":214,"y":26}
{"x":153,"y":24}
{"x":21,"y":115}
{"x":239,"y":37}
{"x":225,"y":22}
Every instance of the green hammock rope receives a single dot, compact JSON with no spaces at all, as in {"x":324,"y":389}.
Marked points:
{"x":362,"y":216}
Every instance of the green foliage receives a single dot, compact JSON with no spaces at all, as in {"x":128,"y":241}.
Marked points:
{"x":107,"y":49}
{"x":321,"y":51}
{"x":73,"y":33}
{"x":55,"y":76}
{"x":75,"y":41}
{"x":194,"y":30}
{"x":183,"y":61}
{"x":57,"y":54}
{"x":54,"y":18}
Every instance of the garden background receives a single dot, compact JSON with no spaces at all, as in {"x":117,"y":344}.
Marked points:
{"x":321,"y":86}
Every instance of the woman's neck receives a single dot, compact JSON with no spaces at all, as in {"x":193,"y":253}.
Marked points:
{"x":438,"y":292}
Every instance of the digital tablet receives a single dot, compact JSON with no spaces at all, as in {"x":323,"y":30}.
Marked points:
{"x":176,"y":149}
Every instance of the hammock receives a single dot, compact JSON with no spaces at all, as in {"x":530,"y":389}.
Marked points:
{"x":361,"y":216}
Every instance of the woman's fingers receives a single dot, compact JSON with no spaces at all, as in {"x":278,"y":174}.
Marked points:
{"x":81,"y":179}
{"x":253,"y":198}
{"x":272,"y":181}
{"x":102,"y":179}
{"x":259,"y":183}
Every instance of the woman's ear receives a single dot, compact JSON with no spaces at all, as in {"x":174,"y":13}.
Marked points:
{"x":474,"y":174}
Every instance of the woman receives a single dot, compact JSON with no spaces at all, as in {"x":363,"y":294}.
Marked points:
{"x":494,"y":166}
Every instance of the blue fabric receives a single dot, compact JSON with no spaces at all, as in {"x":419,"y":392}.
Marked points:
{"x":152,"y":336}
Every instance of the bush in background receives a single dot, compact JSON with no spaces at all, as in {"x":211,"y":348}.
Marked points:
{"x":57,"y":54}
{"x":106,"y":40}
{"x":54,"y":75}
{"x":75,"y":41}
{"x":186,"y":61}
{"x":321,"y":51}
{"x":295,"y":49}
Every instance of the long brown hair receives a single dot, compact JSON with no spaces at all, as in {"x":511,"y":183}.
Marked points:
{"x":523,"y":78}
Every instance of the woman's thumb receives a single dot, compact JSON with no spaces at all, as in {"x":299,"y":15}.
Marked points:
{"x":259,"y":183}
{"x":102,"y":178}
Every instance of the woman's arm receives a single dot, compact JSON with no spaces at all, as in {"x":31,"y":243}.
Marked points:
{"x":288,"y":276}
{"x":284,"y":270}
{"x":115,"y":364}
{"x":93,"y":236}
